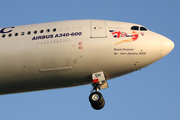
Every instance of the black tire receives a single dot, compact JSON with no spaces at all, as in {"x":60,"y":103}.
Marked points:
{"x":98,"y":106}
{"x":96,"y":98}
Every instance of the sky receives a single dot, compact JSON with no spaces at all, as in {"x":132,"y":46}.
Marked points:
{"x":150,"y":94}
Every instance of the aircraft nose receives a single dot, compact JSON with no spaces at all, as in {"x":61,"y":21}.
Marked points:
{"x":166,"y":46}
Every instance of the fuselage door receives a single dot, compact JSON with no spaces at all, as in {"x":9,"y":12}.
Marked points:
{"x":54,"y":56}
{"x":98,"y":29}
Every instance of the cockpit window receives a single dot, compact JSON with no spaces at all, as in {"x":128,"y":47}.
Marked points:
{"x":135,"y":28}
{"x":143,"y":29}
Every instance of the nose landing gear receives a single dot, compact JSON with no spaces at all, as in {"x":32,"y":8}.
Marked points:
{"x":96,"y":98}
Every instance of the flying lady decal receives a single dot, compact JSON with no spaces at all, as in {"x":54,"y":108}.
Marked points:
{"x":119,"y":34}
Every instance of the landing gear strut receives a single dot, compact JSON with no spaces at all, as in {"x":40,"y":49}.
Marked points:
{"x":95,"y":98}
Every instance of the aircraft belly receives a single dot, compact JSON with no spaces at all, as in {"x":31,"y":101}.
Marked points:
{"x":41,"y":84}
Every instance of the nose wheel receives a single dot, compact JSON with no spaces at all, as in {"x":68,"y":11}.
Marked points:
{"x":97,"y":101}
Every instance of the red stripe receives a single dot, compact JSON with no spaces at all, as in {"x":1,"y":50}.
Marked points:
{"x":95,"y":80}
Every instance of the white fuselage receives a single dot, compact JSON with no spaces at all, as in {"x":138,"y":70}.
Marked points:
{"x":66,"y":53}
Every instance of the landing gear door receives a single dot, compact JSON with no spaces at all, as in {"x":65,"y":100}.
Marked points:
{"x":98,"y":77}
{"x":98,"y":29}
{"x":99,"y":80}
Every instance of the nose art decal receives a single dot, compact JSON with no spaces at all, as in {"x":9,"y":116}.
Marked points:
{"x":132,"y":37}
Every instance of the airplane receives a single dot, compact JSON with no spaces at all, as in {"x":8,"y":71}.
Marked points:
{"x":75,"y":52}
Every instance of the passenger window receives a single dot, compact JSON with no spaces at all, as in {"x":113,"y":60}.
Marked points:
{"x":22,"y":33}
{"x":3,"y":35}
{"x":135,"y":28}
{"x":10,"y":35}
{"x":35,"y":32}
{"x":54,"y":30}
{"x":29,"y":32}
{"x":143,"y":29}
{"x":41,"y":31}
{"x":16,"y":34}
{"x":48,"y":30}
